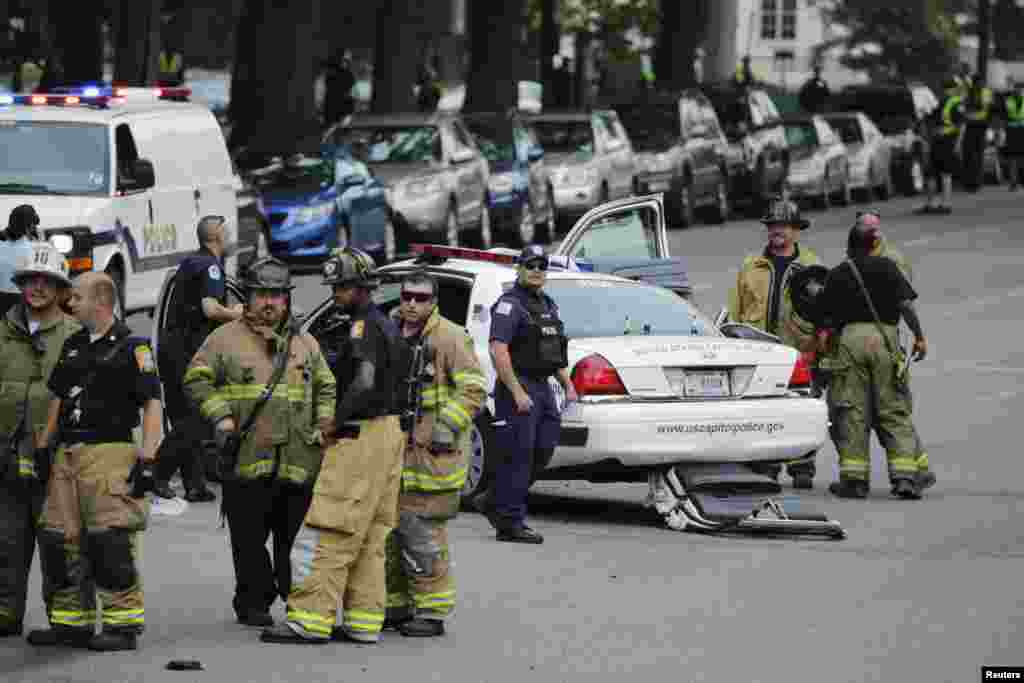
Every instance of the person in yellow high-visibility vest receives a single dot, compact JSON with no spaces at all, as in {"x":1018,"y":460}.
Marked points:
{"x":1013,"y":147}
{"x":978,"y":112}
{"x":171,"y":69}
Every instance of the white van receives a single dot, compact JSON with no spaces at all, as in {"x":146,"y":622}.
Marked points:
{"x":126,"y":176}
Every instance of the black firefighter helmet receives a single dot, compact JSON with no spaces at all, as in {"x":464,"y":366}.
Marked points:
{"x":805,"y":288}
{"x":268,"y":273}
{"x":783,"y":210}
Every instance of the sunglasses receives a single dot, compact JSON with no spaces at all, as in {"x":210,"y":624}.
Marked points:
{"x":536,"y":265}
{"x":418,"y":297}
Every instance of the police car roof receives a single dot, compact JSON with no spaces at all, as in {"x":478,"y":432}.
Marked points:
{"x":91,"y":114}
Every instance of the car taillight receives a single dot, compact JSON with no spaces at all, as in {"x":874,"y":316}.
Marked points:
{"x":801,"y":377}
{"x":595,"y":376}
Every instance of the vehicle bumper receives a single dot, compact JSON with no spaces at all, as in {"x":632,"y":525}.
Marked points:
{"x":427,"y":214}
{"x":654,"y":433}
{"x":571,"y":200}
{"x":650,"y":183}
{"x":306,"y":241}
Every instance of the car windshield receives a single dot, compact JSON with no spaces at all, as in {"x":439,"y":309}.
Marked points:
{"x":565,"y":136}
{"x":651,"y":127}
{"x":848,"y":129}
{"x":603,"y":308}
{"x":392,"y":144}
{"x":494,"y":138}
{"x":801,"y":134}
{"x":54,"y":158}
{"x":299,"y":173}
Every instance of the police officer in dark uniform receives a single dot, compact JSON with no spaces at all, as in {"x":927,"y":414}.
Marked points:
{"x":197,"y":307}
{"x":529,"y":346}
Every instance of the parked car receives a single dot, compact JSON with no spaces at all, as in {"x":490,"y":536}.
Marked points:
{"x":589,"y":157}
{"x":758,"y":155}
{"x":680,"y":149}
{"x":435,"y":176}
{"x":900,"y":112}
{"x":819,"y":166}
{"x":520,"y":195}
{"x":868,"y":153}
{"x":314,"y":204}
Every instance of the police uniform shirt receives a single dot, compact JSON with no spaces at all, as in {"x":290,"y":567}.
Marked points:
{"x":510,"y":317}
{"x":374,"y":340}
{"x":202,"y":276}
{"x":118,"y":389}
{"x":843,"y":300}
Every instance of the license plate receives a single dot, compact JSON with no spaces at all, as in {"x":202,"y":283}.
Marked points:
{"x":713,"y":384}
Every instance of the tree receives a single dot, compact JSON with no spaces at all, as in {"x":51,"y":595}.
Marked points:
{"x":272,"y":91}
{"x":395,"y":66}
{"x":913,"y":40}
{"x":682,"y":30}
{"x":496,"y":53}
{"x":78,"y":39}
{"x":135,"y":59}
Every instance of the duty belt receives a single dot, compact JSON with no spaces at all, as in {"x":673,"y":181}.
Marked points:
{"x":94,"y":436}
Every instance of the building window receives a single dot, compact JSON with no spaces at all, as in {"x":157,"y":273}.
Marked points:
{"x":778,"y":19}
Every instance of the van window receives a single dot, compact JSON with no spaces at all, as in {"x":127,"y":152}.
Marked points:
{"x":127,"y":153}
{"x":54,"y":158}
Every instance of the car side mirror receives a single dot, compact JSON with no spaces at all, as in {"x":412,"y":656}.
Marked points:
{"x":535,"y":154}
{"x":138,"y":176}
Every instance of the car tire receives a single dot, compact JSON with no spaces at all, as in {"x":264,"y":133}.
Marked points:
{"x":915,"y":180}
{"x":684,"y":201}
{"x":450,"y":235}
{"x":479,"y":468}
{"x":885,"y":190}
{"x":722,"y":209}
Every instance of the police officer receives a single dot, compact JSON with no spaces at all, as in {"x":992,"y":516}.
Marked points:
{"x":978,"y":115}
{"x":945,"y":124}
{"x":1013,"y":147}
{"x":14,"y":249}
{"x":269,"y":488}
{"x":31,"y":337}
{"x":96,"y":505}
{"x":869,"y":387}
{"x":196,"y":309}
{"x":340,"y":550}
{"x":529,"y":346}
{"x":762,"y":298}
{"x":421,"y":592}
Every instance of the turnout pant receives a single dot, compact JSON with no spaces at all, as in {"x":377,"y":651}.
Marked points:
{"x":427,"y":597}
{"x":257,"y":509}
{"x":338,"y":558}
{"x":864,"y":395}
{"x":90,"y":528}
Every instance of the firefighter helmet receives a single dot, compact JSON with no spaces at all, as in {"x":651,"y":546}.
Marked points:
{"x":783,"y":210}
{"x":805,"y":286}
{"x":268,"y":273}
{"x":44,"y":259}
{"x":350,"y":267}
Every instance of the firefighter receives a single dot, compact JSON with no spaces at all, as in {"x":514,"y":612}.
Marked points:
{"x":762,"y":299}
{"x":869,"y":388}
{"x":529,"y":347}
{"x":945,"y":124}
{"x":31,"y":337}
{"x":1013,"y":148}
{"x":197,"y":308}
{"x":268,"y":490}
{"x":339,"y":552}
{"x":421,"y":593}
{"x":96,"y":508}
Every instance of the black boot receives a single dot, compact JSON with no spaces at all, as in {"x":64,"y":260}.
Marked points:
{"x":65,"y":636}
{"x":849,"y":488}
{"x":111,"y":640}
{"x":925,"y":479}
{"x":164,"y":490}
{"x":522,"y":534}
{"x":907,"y":489}
{"x":284,"y":634}
{"x":422,"y":628}
{"x":484,"y":504}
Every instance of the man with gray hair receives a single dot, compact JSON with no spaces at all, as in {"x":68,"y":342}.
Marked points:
{"x":196,"y":309}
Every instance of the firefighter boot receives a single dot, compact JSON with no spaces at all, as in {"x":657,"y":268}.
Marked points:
{"x":849,"y":488}
{"x":285,"y":633}
{"x":422,"y":628}
{"x":66,"y":636}
{"x":907,"y":489}
{"x":114,"y":640}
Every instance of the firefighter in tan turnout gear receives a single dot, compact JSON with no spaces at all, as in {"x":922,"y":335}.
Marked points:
{"x":269,"y":469}
{"x":763,"y":299}
{"x":32,"y":335}
{"x":96,"y":507}
{"x":338,"y":558}
{"x":421,"y":589}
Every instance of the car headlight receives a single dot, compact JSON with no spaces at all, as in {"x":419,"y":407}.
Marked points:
{"x":577,"y":175}
{"x":423,"y":187}
{"x":501,"y":183}
{"x":312,"y":214}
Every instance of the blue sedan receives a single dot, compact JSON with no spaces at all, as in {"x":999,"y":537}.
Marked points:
{"x":314,"y":204}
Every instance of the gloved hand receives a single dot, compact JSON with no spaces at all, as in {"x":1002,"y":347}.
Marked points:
{"x":141,"y":478}
{"x":442,"y":438}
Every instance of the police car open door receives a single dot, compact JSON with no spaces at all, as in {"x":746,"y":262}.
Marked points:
{"x":628,"y":238}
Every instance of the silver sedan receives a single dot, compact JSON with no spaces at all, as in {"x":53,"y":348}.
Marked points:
{"x":868,"y":153}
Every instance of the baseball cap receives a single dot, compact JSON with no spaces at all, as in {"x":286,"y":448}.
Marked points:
{"x":532,"y":252}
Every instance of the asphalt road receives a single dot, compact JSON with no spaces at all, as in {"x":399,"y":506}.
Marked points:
{"x":920,"y":591}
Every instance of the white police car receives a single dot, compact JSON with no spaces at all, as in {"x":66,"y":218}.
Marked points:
{"x":664,"y":396}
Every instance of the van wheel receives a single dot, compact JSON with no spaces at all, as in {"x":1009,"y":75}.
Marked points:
{"x":480,"y":469}
{"x":116,"y":274}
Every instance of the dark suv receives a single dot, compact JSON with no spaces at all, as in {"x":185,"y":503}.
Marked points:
{"x":899,"y":111}
{"x":758,"y":156}
{"x":679,"y":149}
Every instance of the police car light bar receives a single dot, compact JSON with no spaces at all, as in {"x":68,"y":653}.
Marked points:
{"x":442,"y":251}
{"x":96,"y":96}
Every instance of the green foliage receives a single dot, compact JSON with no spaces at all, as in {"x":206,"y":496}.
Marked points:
{"x":899,"y":40}
{"x":610,"y":19}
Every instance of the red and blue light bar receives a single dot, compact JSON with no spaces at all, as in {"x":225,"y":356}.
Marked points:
{"x":96,"y":96}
